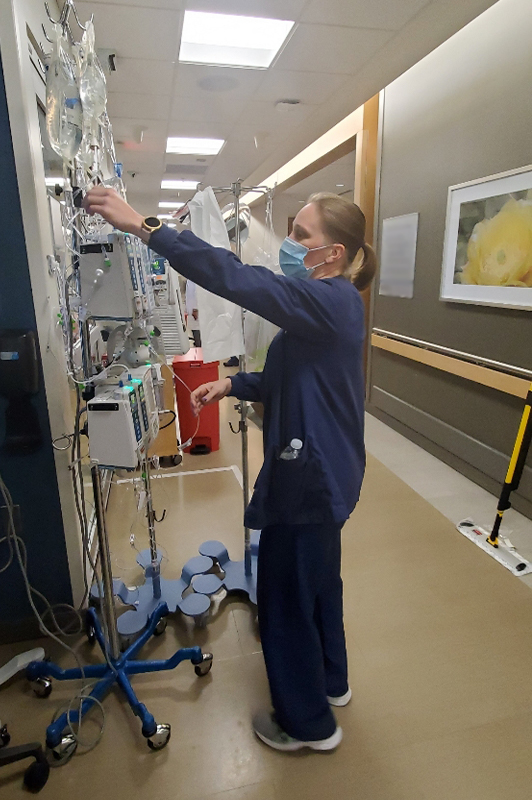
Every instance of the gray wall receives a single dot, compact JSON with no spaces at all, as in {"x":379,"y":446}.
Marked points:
{"x":462,"y":113}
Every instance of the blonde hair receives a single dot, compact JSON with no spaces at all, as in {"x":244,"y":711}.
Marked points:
{"x":344,"y":222}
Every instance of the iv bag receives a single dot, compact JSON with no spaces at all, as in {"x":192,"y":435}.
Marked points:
{"x":64,"y":115}
{"x":92,"y":84}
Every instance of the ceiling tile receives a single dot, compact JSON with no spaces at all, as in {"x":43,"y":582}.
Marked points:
{"x":207,"y":108}
{"x":136,"y":32}
{"x":140,"y":160}
{"x":142,"y":182}
{"x":127,"y":129}
{"x":169,"y":4}
{"x":194,"y":79}
{"x":141,"y":75}
{"x":239,"y":159}
{"x":148,"y":106}
{"x":329,"y":48}
{"x":385,"y":14}
{"x":269,"y":117}
{"x":209,"y":130}
{"x":189,"y":163}
{"x":309,"y":87}
{"x":272,"y":9}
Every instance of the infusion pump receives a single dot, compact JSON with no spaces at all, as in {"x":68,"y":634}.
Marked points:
{"x":123,"y":418}
{"x":116,"y":281}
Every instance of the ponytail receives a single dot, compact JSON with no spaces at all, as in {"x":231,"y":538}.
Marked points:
{"x":361,"y":275}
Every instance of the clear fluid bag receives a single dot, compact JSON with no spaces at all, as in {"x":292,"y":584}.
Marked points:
{"x":64,"y":114}
{"x":93,"y":87}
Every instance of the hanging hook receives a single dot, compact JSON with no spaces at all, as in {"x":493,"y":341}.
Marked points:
{"x":52,"y":20}
{"x":65,"y":12}
{"x":74,"y":11}
{"x":46,"y":35}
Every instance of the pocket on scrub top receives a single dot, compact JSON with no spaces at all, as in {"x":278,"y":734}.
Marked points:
{"x":296,"y":485}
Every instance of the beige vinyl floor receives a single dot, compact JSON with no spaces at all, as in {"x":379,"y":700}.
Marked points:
{"x":440,"y":647}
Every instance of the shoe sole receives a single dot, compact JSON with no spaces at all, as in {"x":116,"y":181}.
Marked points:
{"x":322,"y":745}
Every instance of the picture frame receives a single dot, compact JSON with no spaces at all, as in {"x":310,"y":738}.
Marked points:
{"x":487,"y":254}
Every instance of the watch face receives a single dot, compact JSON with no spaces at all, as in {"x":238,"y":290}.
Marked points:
{"x":153,"y":222}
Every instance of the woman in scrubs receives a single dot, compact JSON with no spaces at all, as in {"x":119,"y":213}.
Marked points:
{"x":312,"y":388}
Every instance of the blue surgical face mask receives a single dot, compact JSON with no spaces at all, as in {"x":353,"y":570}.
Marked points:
{"x":292,"y":257}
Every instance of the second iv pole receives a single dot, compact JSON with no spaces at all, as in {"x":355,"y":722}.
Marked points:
{"x":239,"y":576}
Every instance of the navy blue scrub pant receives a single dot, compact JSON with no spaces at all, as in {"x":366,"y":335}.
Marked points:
{"x":300,"y":608}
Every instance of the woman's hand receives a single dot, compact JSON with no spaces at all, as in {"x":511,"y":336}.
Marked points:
{"x":108,"y":203}
{"x":209,"y":393}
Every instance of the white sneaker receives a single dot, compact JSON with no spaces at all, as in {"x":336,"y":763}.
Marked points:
{"x":271,"y":733}
{"x":340,"y":701}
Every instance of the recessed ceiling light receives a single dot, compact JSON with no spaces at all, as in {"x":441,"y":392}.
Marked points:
{"x":54,"y":181}
{"x":177,"y":204}
{"x":179,"y":185}
{"x":340,"y":185}
{"x":184,"y":145}
{"x":232,"y":41}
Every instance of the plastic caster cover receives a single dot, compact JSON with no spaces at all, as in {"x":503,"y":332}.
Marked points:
{"x":160,"y":627}
{"x":63,"y":752}
{"x":42,"y":687}
{"x":160,"y":738}
{"x":36,"y":776}
{"x":205,"y":666}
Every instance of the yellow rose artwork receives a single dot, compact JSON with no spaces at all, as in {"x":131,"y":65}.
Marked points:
{"x":499,"y":251}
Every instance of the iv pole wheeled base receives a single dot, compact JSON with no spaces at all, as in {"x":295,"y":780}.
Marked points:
{"x":118,"y":670}
{"x":211,"y":575}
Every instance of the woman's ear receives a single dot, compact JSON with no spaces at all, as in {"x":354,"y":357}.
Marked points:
{"x":337,"y":252}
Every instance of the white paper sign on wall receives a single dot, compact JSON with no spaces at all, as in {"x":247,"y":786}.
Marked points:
{"x":398,"y":256}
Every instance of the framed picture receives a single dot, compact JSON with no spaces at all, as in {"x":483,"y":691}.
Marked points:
{"x":487,"y":254}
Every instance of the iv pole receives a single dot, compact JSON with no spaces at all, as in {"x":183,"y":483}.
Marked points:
{"x":239,"y":575}
{"x":117,"y":667}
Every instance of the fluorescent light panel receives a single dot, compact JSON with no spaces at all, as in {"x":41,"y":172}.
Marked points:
{"x":232,"y":41}
{"x":186,"y":146}
{"x":177,"y":204}
{"x":54,"y":181}
{"x":191,"y":185}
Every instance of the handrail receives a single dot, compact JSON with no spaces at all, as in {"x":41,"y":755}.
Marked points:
{"x":449,"y":351}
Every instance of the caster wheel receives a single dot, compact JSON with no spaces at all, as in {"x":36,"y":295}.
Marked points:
{"x":160,"y":738}
{"x":63,"y":752}
{"x":160,"y":627}
{"x":89,"y":631}
{"x":5,"y":736}
{"x":205,"y":665}
{"x":42,"y":687}
{"x":36,"y":776}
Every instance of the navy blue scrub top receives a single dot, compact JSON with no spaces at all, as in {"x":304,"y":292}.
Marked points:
{"x":312,"y":386}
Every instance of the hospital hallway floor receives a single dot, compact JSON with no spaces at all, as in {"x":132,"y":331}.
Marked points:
{"x":439,"y":638}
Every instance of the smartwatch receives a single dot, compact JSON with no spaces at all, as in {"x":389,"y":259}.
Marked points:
{"x":151,"y":224}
